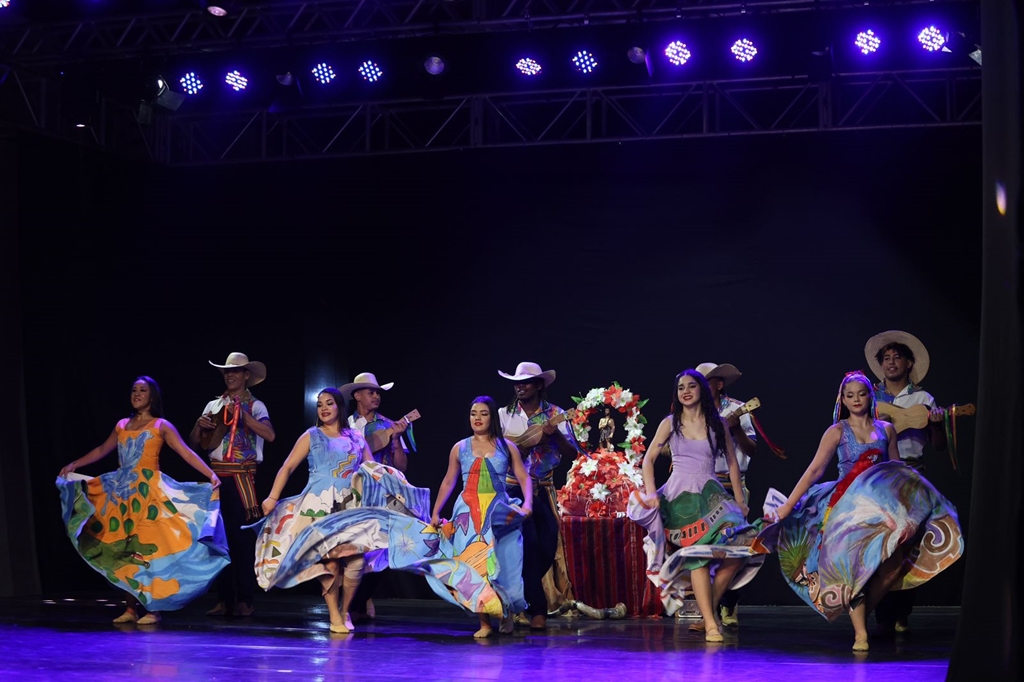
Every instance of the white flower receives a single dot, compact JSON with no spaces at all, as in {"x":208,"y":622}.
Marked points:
{"x":624,"y":398}
{"x":626,"y":468}
{"x":588,"y":467}
{"x":600,"y":492}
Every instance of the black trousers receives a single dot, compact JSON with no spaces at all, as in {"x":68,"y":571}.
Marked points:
{"x":540,"y":544}
{"x":237,"y":582}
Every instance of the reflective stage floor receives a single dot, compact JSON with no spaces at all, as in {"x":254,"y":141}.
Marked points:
{"x":288,"y":638}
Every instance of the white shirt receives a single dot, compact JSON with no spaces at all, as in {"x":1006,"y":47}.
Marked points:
{"x":259,"y":412}
{"x":359,"y":424}
{"x":747,"y":424}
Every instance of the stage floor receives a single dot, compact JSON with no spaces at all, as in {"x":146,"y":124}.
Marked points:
{"x":431,"y":640}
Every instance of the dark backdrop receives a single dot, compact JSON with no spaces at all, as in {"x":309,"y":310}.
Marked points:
{"x":628,"y":263}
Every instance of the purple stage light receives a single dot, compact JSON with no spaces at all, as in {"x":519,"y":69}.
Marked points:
{"x":236,"y":80}
{"x":528,"y":67}
{"x":867,"y":42}
{"x":584,"y":61}
{"x":744,"y":50}
{"x":370,"y":71}
{"x":931,"y":39}
{"x":4,"y":3}
{"x":677,"y":53}
{"x":323,"y":73}
{"x":191,"y":84}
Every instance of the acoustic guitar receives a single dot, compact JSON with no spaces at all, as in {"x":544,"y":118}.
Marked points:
{"x":734,"y":417}
{"x":378,"y":439}
{"x":532,"y":435}
{"x":916,"y":416}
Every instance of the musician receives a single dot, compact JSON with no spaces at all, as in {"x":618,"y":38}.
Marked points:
{"x":744,"y":438}
{"x":541,"y":535}
{"x":232,"y":430}
{"x":363,"y":397}
{"x":900,"y":361}
{"x":363,"y":394}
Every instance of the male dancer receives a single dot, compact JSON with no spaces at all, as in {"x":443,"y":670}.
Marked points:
{"x":363,"y":396}
{"x":541,"y":533}
{"x":744,"y":437}
{"x":232,"y":430}
{"x":901,"y":361}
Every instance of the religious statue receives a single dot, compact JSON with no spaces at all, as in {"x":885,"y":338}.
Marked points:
{"x":606,"y":428}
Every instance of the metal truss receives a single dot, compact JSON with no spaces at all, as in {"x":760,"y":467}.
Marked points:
{"x":762,"y":106}
{"x":288,"y":23}
{"x":912,"y":99}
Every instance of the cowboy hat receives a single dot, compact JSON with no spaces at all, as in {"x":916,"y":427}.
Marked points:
{"x":879,"y":341}
{"x":530,"y":370}
{"x":363,"y":380}
{"x":257,"y":370}
{"x":726,"y":372}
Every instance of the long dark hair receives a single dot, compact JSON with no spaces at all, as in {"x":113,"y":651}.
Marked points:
{"x":339,"y":399}
{"x":712,"y":422}
{"x":495,"y":429}
{"x":156,"y":400}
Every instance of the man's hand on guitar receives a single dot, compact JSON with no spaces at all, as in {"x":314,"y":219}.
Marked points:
{"x":936,"y":414}
{"x":205,"y":422}
{"x":401,"y":425}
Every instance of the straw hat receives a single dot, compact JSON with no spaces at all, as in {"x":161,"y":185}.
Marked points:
{"x":879,"y":341}
{"x":363,"y":380}
{"x":257,"y":370}
{"x":530,"y":370}
{"x":726,"y":372}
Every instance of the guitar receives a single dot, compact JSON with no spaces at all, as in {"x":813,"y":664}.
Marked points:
{"x":378,"y":439}
{"x":532,"y":435}
{"x":916,"y":416}
{"x":208,"y":440}
{"x":734,"y":417}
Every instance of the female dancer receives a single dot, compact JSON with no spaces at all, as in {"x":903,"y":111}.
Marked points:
{"x":692,"y":508}
{"x":480,"y":531}
{"x":843,"y":544}
{"x":159,"y":540}
{"x":334,"y":453}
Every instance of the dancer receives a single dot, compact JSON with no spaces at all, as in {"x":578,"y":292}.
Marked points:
{"x":692,"y":508}
{"x":232,"y":430}
{"x":159,"y":540}
{"x":843,"y":544}
{"x":543,"y":551}
{"x":334,"y":452}
{"x":484,"y":460}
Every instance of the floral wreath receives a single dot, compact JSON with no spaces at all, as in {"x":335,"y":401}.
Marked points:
{"x":619,"y":399}
{"x":599,"y":482}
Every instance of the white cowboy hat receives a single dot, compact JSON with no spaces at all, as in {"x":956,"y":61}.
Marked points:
{"x":726,"y":372}
{"x":257,"y":370}
{"x":879,"y":341}
{"x":530,"y":370}
{"x":363,"y":380}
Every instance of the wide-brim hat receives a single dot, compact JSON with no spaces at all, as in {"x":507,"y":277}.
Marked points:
{"x":530,"y":370}
{"x":363,"y":380}
{"x":726,"y":372}
{"x":257,"y":370}
{"x":879,"y":341}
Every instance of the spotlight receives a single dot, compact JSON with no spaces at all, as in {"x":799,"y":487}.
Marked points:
{"x":528,"y":67}
{"x":637,"y":55}
{"x":191,"y":83}
{"x":584,"y":62}
{"x":677,"y":53}
{"x":744,"y":50}
{"x":236,"y":80}
{"x":931,"y":39}
{"x":165,"y":97}
{"x":434,"y":65}
{"x":370,"y":71}
{"x":4,"y":3}
{"x":217,"y":9}
{"x":867,"y":42}
{"x":323,"y":73}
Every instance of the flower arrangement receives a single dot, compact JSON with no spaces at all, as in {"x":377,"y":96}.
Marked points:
{"x":599,"y":483}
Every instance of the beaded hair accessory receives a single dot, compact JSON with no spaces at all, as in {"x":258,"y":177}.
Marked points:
{"x":856,"y":375}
